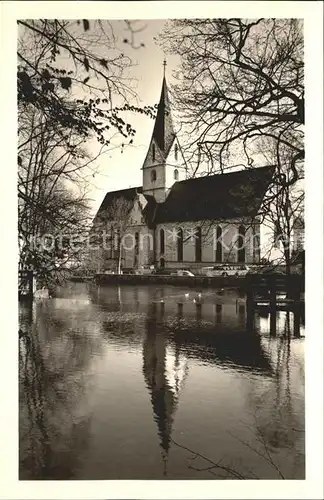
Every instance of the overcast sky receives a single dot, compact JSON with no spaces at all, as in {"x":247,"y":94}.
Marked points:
{"x":122,"y":170}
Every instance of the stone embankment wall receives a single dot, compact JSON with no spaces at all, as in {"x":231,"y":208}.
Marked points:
{"x":190,"y":281}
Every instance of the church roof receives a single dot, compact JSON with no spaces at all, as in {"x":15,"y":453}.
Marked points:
{"x":129,"y":195}
{"x":220,"y":196}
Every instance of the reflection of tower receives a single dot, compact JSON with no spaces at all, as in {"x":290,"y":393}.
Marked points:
{"x":180,"y":310}
{"x":218,"y":313}
{"x":241,"y":314}
{"x":164,"y":371}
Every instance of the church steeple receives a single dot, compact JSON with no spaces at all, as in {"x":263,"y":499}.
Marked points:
{"x":164,"y":163}
{"x":163,"y":132}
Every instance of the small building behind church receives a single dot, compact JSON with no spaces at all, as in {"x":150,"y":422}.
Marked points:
{"x":172,"y":221}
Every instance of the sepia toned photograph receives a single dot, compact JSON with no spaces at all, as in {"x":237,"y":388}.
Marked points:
{"x":161,"y":234}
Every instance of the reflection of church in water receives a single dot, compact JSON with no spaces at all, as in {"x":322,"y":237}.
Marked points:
{"x":167,"y":353}
{"x":165,"y":370}
{"x":178,"y":330}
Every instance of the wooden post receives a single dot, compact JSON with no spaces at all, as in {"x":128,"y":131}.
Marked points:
{"x":250,"y":298}
{"x":162,"y":310}
{"x":297,"y":308}
{"x":273,"y":306}
{"x":241,"y":313}
{"x":295,"y":295}
{"x":296,"y":322}
{"x":293,"y":287}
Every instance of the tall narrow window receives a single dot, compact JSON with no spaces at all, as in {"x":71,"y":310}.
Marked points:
{"x":117,"y":239}
{"x":111,"y":242}
{"x":176,"y":174}
{"x":198,"y":244}
{"x":161,"y":241}
{"x":153,"y":175}
{"x":256,"y":245}
{"x":180,"y":245}
{"x":136,"y":249}
{"x":153,"y":152}
{"x":219,"y":245}
{"x":176,"y":152}
{"x":136,"y":243}
{"x":241,"y":245}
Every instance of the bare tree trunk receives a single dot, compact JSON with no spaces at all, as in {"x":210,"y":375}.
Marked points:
{"x":287,"y":261}
{"x":99,"y":264}
{"x":119,"y":256}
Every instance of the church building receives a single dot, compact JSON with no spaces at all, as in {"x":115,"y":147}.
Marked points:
{"x":174,"y":221}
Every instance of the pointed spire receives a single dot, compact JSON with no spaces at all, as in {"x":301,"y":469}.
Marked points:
{"x":164,"y":66}
{"x":163,"y":132}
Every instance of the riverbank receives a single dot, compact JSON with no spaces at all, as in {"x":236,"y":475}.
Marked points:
{"x":158,"y":279}
{"x":238,"y":282}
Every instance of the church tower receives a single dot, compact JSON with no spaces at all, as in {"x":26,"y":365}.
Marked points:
{"x":164,"y":164}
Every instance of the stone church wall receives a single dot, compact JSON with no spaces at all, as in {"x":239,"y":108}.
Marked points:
{"x":208,"y":247}
{"x":140,"y":245}
{"x":133,"y":258}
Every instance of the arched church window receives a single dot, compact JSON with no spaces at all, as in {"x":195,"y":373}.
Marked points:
{"x":153,"y":152}
{"x":180,"y":245}
{"x":241,"y":245}
{"x":176,"y":174}
{"x":153,"y":175}
{"x":176,"y":152}
{"x":256,"y":245}
{"x":111,"y":242}
{"x":219,"y":245}
{"x":198,"y":244}
{"x":162,"y":241}
{"x":136,"y":249}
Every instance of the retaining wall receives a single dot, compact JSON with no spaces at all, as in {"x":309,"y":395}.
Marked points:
{"x":190,"y":281}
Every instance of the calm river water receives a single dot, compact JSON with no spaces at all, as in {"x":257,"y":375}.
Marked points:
{"x":148,"y":382}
